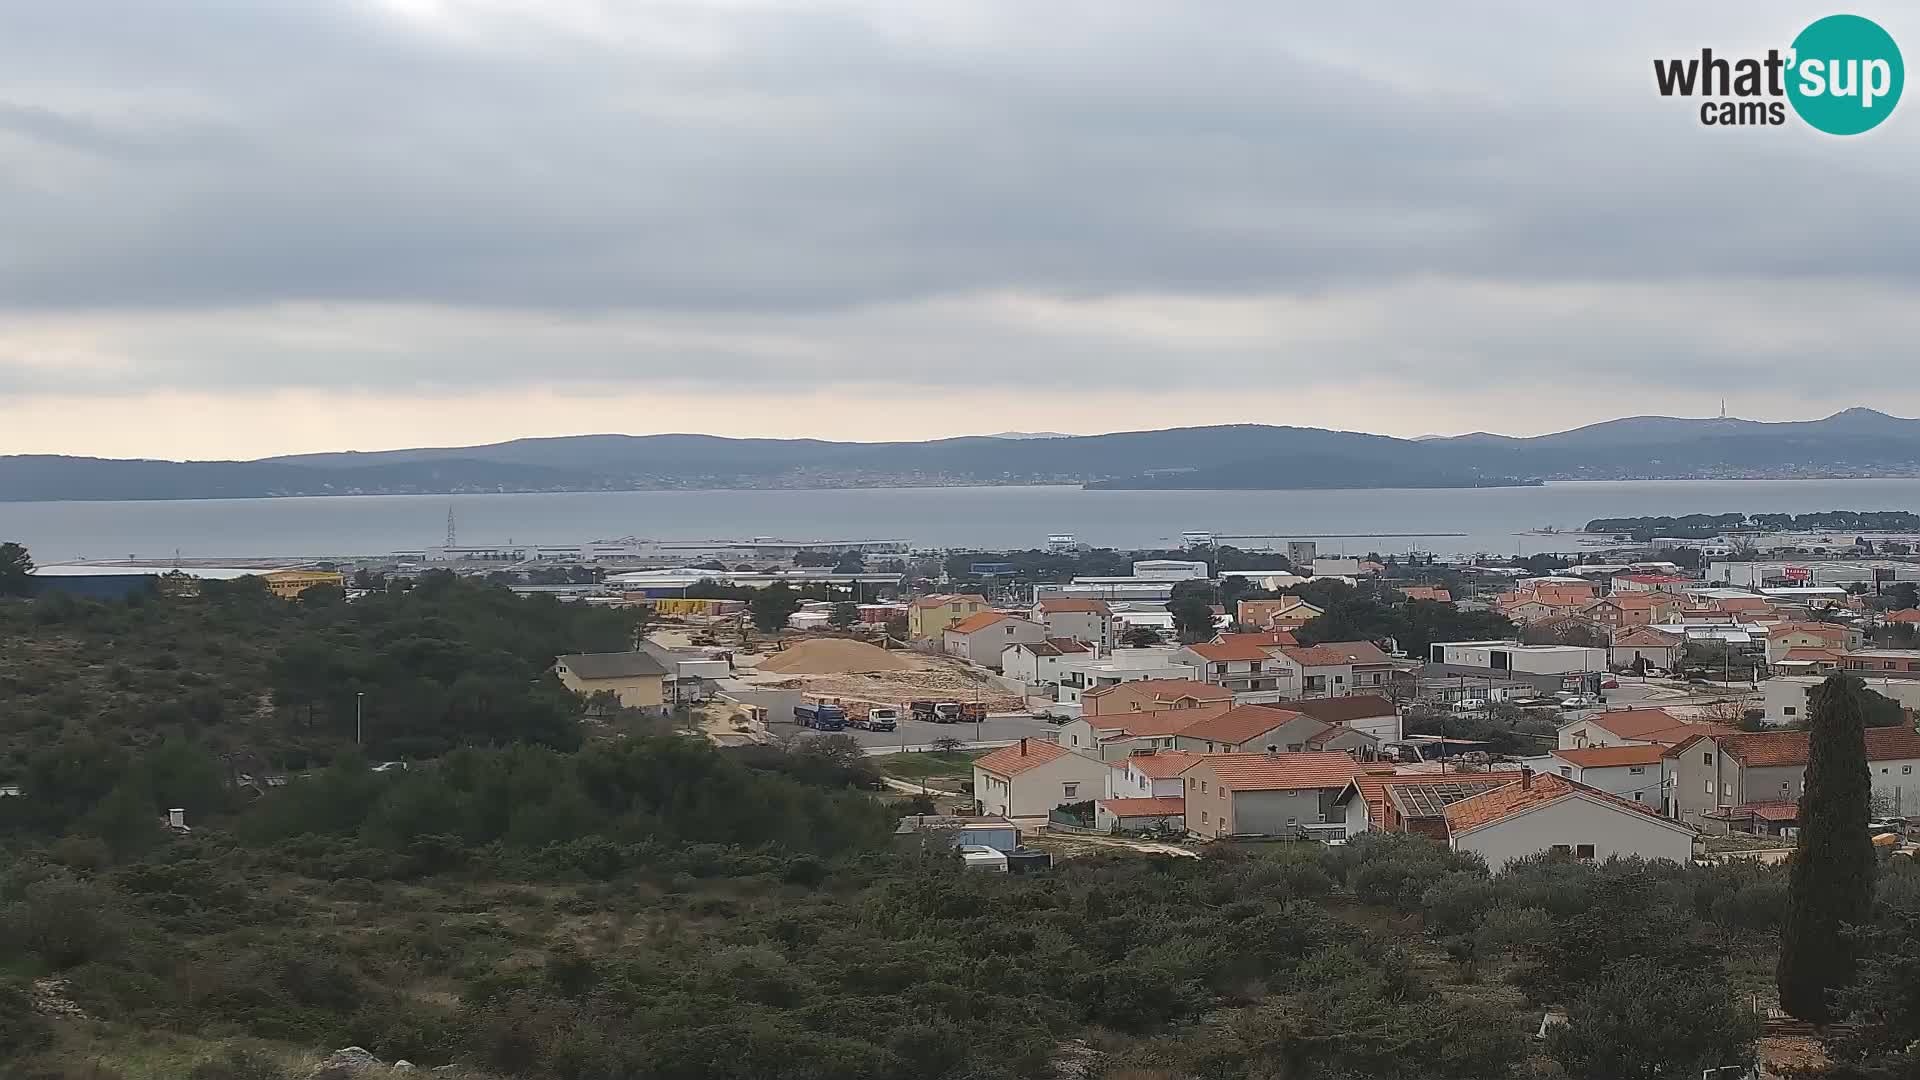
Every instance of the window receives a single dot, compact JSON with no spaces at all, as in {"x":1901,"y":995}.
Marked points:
{"x":1906,"y":770}
{"x":1727,"y":789}
{"x":1221,"y":793}
{"x":1706,"y":759}
{"x":1566,"y":770}
{"x":1203,"y":817}
{"x":1071,"y":790}
{"x":1203,"y":787}
{"x":1637,"y":795}
{"x":1562,"y":849}
{"x":1636,"y":770}
{"x":1709,"y":785}
{"x":1584,"y":851}
{"x":1790,"y":710}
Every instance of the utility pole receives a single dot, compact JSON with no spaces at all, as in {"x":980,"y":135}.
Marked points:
{"x":359,"y":715}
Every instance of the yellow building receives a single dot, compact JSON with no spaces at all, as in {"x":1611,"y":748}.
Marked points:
{"x":288,"y":584}
{"x":636,"y":679}
{"x":929,"y":616}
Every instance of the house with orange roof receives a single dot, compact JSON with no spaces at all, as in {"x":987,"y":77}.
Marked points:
{"x":1147,"y":774}
{"x":1632,"y":609}
{"x":1265,"y":794}
{"x":1549,"y":813}
{"x":1339,"y":668}
{"x":1286,"y":613}
{"x":1808,"y":662}
{"x":1254,"y":729}
{"x":1114,"y":737}
{"x":1157,"y":815}
{"x":1668,"y":583}
{"x":1236,"y":664}
{"x":1811,"y":635}
{"x":1637,"y":645}
{"x":929,"y":616}
{"x":1151,"y":695}
{"x":1037,"y":663}
{"x":1090,"y":621}
{"x":982,"y":639}
{"x":1635,"y":772}
{"x":1712,"y":774}
{"x":1630,"y":727}
{"x":1903,"y":617}
{"x":1380,"y":800}
{"x":1031,"y":777}
{"x":1426,"y":592}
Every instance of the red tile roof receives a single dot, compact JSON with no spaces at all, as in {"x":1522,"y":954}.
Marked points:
{"x":1343,"y":710}
{"x":1373,"y":786}
{"x":1051,"y":647}
{"x":1647,"y":637}
{"x":1281,"y":772}
{"x":1162,"y":764}
{"x":1221,"y":652}
{"x":1426,"y":592}
{"x":1905,"y":615}
{"x":1335,"y":653}
{"x":1021,"y":756}
{"x":1808,"y":652}
{"x":1265,"y":638}
{"x":974,"y":623}
{"x":1653,"y":726}
{"x":1765,"y":811}
{"x":943,"y":599}
{"x":1151,"y":722}
{"x":1501,"y":803}
{"x":1161,"y":690}
{"x":1237,"y":725}
{"x":1062,"y":604}
{"x":1817,"y":629}
{"x":1606,"y":757}
{"x":1164,"y":806}
{"x":1768,"y":749}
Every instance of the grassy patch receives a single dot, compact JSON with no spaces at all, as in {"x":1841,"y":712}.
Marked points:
{"x":933,"y":765}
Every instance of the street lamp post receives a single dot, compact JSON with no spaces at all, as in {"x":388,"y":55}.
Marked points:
{"x":359,"y":715}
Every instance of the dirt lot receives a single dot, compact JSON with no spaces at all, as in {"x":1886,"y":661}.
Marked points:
{"x":926,"y":677}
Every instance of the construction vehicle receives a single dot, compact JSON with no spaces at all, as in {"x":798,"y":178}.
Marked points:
{"x":820,"y":715}
{"x":876,"y":718}
{"x":950,"y":712}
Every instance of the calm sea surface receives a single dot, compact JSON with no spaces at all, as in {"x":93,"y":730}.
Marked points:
{"x":1498,"y":520}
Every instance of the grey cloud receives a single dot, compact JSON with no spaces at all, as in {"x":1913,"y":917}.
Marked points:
{"x":794,"y":192}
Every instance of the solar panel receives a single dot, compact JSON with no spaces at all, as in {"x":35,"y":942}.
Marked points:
{"x":1426,"y":800}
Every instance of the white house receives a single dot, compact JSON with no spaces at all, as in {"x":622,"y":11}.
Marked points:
{"x":1787,"y":696}
{"x":1658,"y":648}
{"x":1030,"y":778}
{"x":1082,"y":674}
{"x":1149,"y":774}
{"x":1113,"y":737}
{"x":1240,"y":666}
{"x":1633,"y":772}
{"x":981,"y":639}
{"x":1369,"y":713}
{"x":1552,"y":813}
{"x":1629,"y":727}
{"x":1090,"y":621}
{"x":1039,"y":662}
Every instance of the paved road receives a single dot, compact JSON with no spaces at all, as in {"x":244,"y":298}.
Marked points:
{"x":919,"y":734}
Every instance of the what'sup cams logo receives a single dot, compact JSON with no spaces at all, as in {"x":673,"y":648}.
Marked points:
{"x":1842,"y":75}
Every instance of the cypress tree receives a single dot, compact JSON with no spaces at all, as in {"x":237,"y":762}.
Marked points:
{"x":1830,"y":883}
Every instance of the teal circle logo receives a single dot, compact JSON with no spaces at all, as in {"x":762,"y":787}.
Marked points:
{"x":1846,"y":75}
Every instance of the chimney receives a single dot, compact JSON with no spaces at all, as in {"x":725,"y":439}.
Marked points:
{"x":177,"y":818}
{"x":1023,"y":747}
{"x":1273,"y":751}
{"x":1526,"y":778}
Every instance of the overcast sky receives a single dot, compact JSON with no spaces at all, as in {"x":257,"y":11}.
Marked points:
{"x":246,"y":227}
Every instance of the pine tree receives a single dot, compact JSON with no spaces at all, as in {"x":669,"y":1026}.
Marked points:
{"x":1830,"y":883}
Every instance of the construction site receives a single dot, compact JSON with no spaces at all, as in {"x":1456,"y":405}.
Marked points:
{"x":857,"y":672}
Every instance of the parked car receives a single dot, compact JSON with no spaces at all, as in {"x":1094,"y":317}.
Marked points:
{"x":1470,"y":705}
{"x":1579,"y":701}
{"x":1610,"y":684}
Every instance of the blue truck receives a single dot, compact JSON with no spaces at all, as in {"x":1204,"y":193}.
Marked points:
{"x":820,"y":716}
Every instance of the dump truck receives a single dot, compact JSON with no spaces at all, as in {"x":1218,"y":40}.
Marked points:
{"x":820,"y":716}
{"x":950,"y":712}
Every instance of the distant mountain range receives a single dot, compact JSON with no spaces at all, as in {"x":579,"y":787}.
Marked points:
{"x":1857,"y":442}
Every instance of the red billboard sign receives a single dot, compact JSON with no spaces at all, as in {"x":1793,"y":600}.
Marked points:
{"x":1798,"y":573}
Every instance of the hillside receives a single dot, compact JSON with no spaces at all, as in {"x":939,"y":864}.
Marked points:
{"x":1857,"y":442}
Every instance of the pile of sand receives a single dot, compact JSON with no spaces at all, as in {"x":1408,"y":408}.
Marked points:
{"x":832,"y":656}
